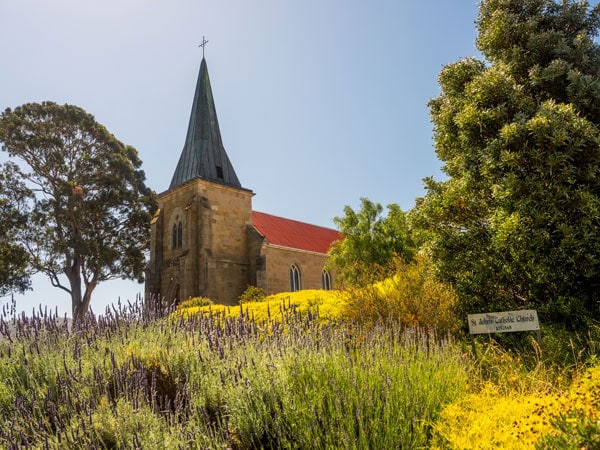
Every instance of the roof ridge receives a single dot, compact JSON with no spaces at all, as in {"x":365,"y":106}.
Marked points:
{"x":293,"y":234}
{"x":294,"y":220}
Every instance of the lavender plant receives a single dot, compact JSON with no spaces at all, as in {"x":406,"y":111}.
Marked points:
{"x":135,"y":378}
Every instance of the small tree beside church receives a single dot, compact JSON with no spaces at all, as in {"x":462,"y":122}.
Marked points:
{"x":89,"y":212}
{"x":371,"y":242}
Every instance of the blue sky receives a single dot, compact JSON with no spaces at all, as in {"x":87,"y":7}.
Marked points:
{"x":320,"y":102}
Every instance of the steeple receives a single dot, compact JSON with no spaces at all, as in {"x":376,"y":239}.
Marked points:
{"x":203,"y":154}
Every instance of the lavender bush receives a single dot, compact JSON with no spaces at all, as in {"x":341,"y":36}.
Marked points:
{"x":133,"y":378}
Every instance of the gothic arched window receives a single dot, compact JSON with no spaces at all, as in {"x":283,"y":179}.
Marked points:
{"x":295,"y":278}
{"x":177,"y":234}
{"x":326,"y":280}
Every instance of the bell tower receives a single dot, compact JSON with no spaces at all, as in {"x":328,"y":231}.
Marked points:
{"x":199,"y":245}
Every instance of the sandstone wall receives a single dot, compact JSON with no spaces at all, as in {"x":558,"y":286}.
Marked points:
{"x":277,"y":262}
{"x":213,"y":258}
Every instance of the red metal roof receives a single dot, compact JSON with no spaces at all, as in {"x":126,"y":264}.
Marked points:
{"x":294,"y":234}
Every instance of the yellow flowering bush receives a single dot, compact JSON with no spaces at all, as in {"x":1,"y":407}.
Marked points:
{"x":279,"y":307}
{"x":412,"y":296}
{"x":194,"y":301}
{"x":252,"y":294}
{"x":492,"y":419}
{"x":576,"y":422}
{"x":489,"y":420}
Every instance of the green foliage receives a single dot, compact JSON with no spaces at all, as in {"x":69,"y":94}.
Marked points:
{"x":13,"y":218}
{"x":90,"y":216}
{"x":370,"y":242}
{"x":511,"y":372}
{"x":253,"y":294}
{"x":549,"y":46}
{"x":412,"y":296}
{"x":515,"y":224}
{"x":563,"y":347}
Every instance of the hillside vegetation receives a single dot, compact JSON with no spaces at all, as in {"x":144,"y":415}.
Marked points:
{"x":131,"y":379}
{"x":411,"y":296}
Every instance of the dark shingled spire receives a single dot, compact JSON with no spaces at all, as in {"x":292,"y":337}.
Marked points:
{"x":203,"y":154}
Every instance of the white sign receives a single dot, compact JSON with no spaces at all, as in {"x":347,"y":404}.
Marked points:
{"x":503,"y":322}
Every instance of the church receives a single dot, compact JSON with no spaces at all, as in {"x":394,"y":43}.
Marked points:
{"x":206,"y":241}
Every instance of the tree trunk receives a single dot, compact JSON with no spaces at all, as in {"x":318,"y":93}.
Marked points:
{"x":80,"y":300}
{"x":72,"y":271}
{"x":77,"y":305}
{"x":84,"y":305}
{"x":76,"y":298}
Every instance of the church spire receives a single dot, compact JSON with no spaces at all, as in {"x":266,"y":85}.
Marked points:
{"x":203,"y":154}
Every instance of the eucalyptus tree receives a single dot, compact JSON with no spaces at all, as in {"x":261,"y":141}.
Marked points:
{"x":14,"y":274}
{"x":515,"y":224}
{"x":90,"y":210}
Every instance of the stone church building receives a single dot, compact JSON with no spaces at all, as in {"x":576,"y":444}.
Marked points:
{"x":207,"y":241}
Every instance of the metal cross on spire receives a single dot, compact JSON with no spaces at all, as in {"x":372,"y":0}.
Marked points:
{"x":203,"y":44}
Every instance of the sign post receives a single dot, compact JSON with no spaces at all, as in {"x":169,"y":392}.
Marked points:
{"x":505,"y":322}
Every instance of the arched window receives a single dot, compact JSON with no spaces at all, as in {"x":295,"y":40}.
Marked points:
{"x":326,"y":280}
{"x":295,"y":279}
{"x":180,"y":235}
{"x":177,"y":234}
